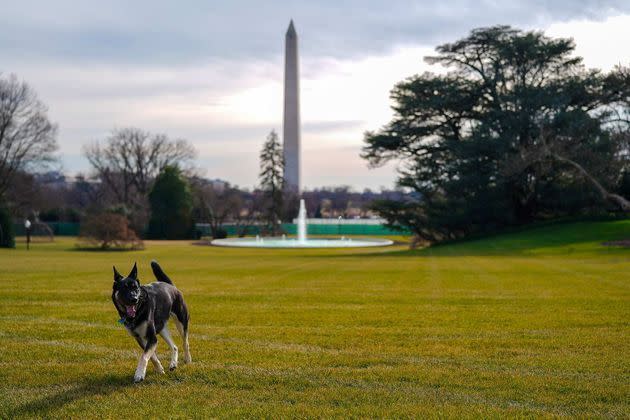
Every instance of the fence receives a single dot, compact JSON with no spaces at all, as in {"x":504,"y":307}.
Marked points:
{"x":332,"y":227}
{"x":346,"y":227}
{"x":58,"y":228}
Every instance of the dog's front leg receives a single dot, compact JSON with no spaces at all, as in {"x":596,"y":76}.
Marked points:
{"x":149,"y":350}
{"x":154,"y":357}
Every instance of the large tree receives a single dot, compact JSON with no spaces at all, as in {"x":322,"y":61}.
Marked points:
{"x":129,"y":159}
{"x":515,"y":125}
{"x":27,"y":137}
{"x":272,"y":181}
{"x":127,"y":163}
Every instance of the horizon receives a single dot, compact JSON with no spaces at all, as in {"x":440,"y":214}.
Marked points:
{"x":99,"y":68}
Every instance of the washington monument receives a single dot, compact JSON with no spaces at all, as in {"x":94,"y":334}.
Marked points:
{"x":291,"y":129}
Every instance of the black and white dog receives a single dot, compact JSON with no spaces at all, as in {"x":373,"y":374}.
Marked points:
{"x":145,"y":310}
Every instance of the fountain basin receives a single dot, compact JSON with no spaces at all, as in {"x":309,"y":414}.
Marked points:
{"x":302,"y":241}
{"x":295,"y":243}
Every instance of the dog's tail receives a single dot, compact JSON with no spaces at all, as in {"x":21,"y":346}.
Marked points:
{"x":159,"y":274}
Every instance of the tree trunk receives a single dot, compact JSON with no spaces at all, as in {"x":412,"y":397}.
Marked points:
{"x":616,"y":199}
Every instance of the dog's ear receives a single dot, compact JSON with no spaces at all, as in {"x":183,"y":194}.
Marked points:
{"x":117,"y":276}
{"x":134,"y":272}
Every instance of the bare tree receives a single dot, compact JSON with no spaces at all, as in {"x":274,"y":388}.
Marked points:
{"x":27,"y":137}
{"x":218,"y":206}
{"x":130,"y":158}
{"x":249,"y":213}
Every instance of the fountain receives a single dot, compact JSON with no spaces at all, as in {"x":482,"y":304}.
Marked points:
{"x":302,"y":241}
{"x":301,"y":223}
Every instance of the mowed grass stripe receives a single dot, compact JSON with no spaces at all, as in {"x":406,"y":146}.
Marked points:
{"x":526,"y":324}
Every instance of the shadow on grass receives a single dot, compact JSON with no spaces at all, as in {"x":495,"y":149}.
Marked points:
{"x":102,"y":386}
{"x":106,"y":250}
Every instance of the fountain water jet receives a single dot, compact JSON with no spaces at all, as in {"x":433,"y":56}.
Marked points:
{"x":301,"y":223}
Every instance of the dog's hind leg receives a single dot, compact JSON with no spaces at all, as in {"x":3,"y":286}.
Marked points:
{"x":182,"y":328}
{"x":154,"y":357}
{"x":166,"y":335}
{"x":181,"y":316}
{"x":183,"y":331}
{"x":156,"y":363}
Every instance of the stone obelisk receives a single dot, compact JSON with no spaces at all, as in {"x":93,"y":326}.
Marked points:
{"x":291,"y":129}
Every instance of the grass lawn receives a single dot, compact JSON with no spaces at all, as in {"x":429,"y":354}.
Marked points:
{"x":527,"y":324}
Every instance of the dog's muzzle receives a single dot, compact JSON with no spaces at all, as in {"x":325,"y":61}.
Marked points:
{"x":131,"y":310}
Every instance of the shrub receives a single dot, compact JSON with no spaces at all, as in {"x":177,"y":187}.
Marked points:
{"x":219,"y":233}
{"x":7,"y":234}
{"x":108,"y":231}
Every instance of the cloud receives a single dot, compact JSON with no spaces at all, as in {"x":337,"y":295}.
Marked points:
{"x":211,"y":72}
{"x":163,"y":32}
{"x":602,"y":44}
{"x":317,"y":127}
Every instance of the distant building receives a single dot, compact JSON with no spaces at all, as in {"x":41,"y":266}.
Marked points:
{"x":59,"y":180}
{"x":51,"y":178}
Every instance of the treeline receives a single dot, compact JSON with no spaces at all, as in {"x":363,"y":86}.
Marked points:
{"x":175,"y":201}
{"x":141,"y":185}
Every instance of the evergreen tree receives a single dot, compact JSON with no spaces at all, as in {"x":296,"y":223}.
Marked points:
{"x":272,"y":181}
{"x":515,"y":127}
{"x":171,"y":206}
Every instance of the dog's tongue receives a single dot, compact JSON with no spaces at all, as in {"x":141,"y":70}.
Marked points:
{"x":131,"y":311}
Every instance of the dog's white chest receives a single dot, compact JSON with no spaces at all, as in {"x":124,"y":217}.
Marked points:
{"x":140,"y":330}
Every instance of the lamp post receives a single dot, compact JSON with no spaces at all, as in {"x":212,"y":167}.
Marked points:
{"x":27,"y":227}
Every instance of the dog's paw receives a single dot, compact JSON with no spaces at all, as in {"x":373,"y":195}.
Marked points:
{"x":138,"y":379}
{"x":187,"y":358}
{"x":172,"y":367}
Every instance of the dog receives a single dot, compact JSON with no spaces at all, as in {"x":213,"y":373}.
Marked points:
{"x":145,"y":310}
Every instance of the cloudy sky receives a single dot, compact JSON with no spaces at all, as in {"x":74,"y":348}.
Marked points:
{"x":211,"y":71}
